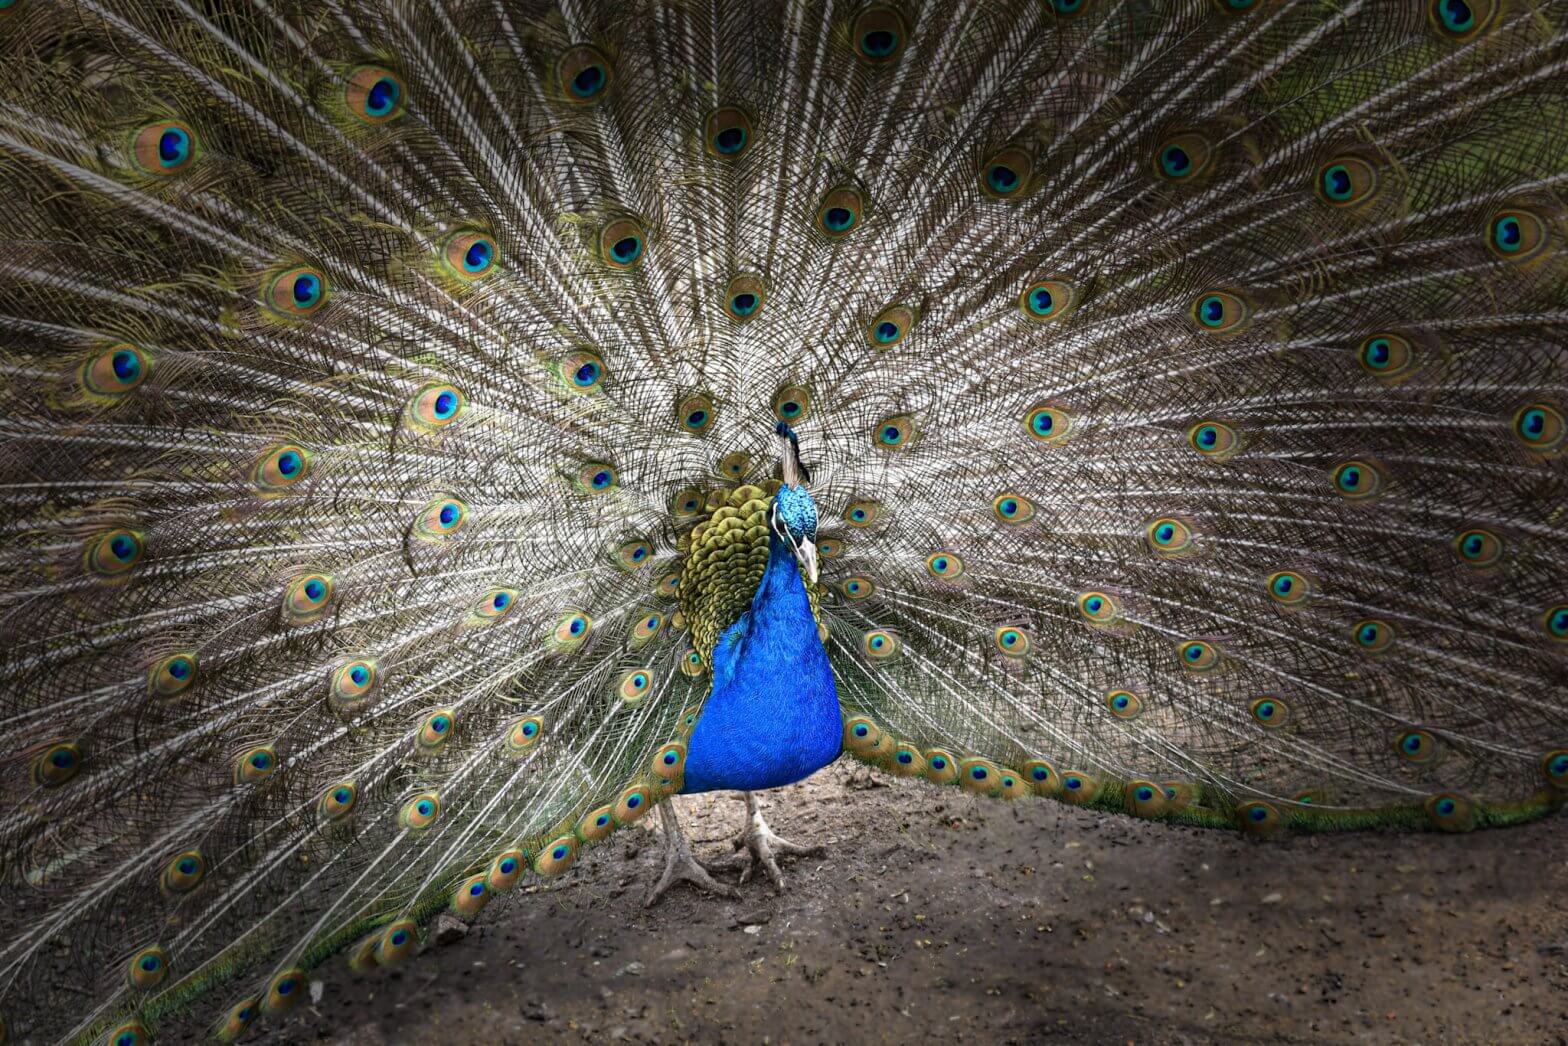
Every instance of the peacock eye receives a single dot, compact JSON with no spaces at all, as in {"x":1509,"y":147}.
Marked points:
{"x":878,"y":35}
{"x":621,"y":243}
{"x":296,"y":293}
{"x":1197,"y":655}
{"x":728,"y":133}
{"x":470,"y":255}
{"x":1012,"y":508}
{"x":1288,"y":588}
{"x":1373,"y":636}
{"x":1416,"y":746}
{"x":1478,"y":547}
{"x":944,"y":565}
{"x":694,"y":414}
{"x":1220,"y":312}
{"x":1012,"y":641}
{"x":1347,"y":181}
{"x":1555,"y":622}
{"x":1357,"y":480}
{"x":1213,"y":439}
{"x":792,"y":403}
{"x":1515,"y":234}
{"x":307,"y":598}
{"x":1124,"y":704}
{"x":890,"y":326}
{"x":1169,"y":536}
{"x":862,"y":513}
{"x":113,"y":553}
{"x":1098,"y":608}
{"x":596,"y":477}
{"x":1540,"y":426}
{"x":1386,"y":356}
{"x":435,"y":407}
{"x":1269,"y":712}
{"x":1045,"y":300}
{"x":374,"y":95}
{"x":879,"y":644}
{"x":1462,"y":20}
{"x":584,"y":75}
{"x":1183,"y":157}
{"x":744,"y":297}
{"x":839,"y":212}
{"x":1006,"y":175}
{"x":163,"y":148}
{"x":896,"y":432}
{"x":440,"y":519}
{"x":582,"y":370}
{"x":115,"y":371}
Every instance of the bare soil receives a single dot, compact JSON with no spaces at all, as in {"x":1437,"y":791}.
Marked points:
{"x":934,"y":914}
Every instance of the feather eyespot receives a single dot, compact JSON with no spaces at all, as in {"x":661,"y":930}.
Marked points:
{"x":896,"y":432}
{"x":686,"y":503}
{"x":435,"y":730}
{"x":621,"y":244}
{"x":1012,"y":509}
{"x":839,"y":212}
{"x":495,"y":604}
{"x":634,"y":686}
{"x":471,"y":896}
{"x":1198,"y":655}
{"x":1099,"y":608}
{"x":647,"y":626}
{"x":556,"y":857}
{"x":397,"y":942}
{"x":571,"y":631}
{"x":420,"y":811}
{"x":128,"y":1033}
{"x":691,"y":664}
{"x":1012,"y":641}
{"x":353,"y":685}
{"x":1540,"y":426}
{"x":1388,"y":357}
{"x":163,"y":148}
{"x":296,"y":293}
{"x":1069,"y":8}
{"x":374,"y":95}
{"x":1554,"y":765}
{"x":944,"y":565}
{"x":1042,"y":777}
{"x":470,"y":255}
{"x":1451,"y":812}
{"x":890,"y":326}
{"x":112,"y":554}
{"x":307,"y":598}
{"x":1269,"y":712}
{"x":337,"y":802}
{"x":862,"y":513}
{"x":147,"y":968}
{"x":1006,"y":175}
{"x":436,"y":407}
{"x":1184,"y":157}
{"x":1462,"y":20}
{"x":1046,"y":300}
{"x":255,"y":765}
{"x":1554,"y":622}
{"x":1416,"y":746}
{"x":694,"y":414}
{"x":1169,"y":536}
{"x":1235,"y":7}
{"x":669,"y":763}
{"x":172,"y":675}
{"x":233,"y":1024}
{"x":830,"y":548}
{"x":584,"y":75}
{"x":669,"y":585}
{"x":1078,"y":788}
{"x":57,"y":764}
{"x":596,"y":477}
{"x":183,"y":873}
{"x":1347,"y":182}
{"x":505,"y":870}
{"x":279,"y":469}
{"x":1050,"y":425}
{"x":737,"y":463}
{"x":114,"y":372}
{"x":879,"y":644}
{"x":792,"y":404}
{"x":440,"y":519}
{"x":1478,"y":547}
{"x":524,"y":734}
{"x":1260,"y":818}
{"x":284,"y":992}
{"x":1214,"y":439}
{"x":634,"y":555}
{"x":744,"y":298}
{"x":1515,"y":234}
{"x":857,"y":587}
{"x":1289,"y":588}
{"x":1144,"y":798}
{"x":1373,"y":636}
{"x":1220,"y":312}
{"x":878,"y":35}
{"x":1357,"y":480}
{"x":727,"y":133}
{"x":583,"y":371}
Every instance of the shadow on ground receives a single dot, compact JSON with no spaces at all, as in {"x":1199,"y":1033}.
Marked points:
{"x":934,"y":914}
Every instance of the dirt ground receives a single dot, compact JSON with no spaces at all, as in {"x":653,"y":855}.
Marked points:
{"x":934,"y":914}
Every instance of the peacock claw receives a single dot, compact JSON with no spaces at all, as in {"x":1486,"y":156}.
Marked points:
{"x":757,"y":844}
{"x":679,"y":864}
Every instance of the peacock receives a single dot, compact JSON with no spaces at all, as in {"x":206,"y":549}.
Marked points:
{"x":436,"y":433}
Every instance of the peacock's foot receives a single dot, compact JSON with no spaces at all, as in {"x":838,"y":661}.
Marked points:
{"x":757,"y":844}
{"x":679,"y":864}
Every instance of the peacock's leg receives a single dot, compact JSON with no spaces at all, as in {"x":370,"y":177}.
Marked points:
{"x":679,"y":863}
{"x":757,"y":844}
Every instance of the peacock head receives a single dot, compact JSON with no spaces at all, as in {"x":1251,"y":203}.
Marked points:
{"x":793,"y":515}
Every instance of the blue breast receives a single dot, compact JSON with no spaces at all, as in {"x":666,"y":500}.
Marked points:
{"x":772,"y":716}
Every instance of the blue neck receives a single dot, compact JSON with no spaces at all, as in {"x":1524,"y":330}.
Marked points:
{"x":772,"y":716}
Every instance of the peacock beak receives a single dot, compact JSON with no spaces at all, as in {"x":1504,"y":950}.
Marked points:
{"x":806,"y":556}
